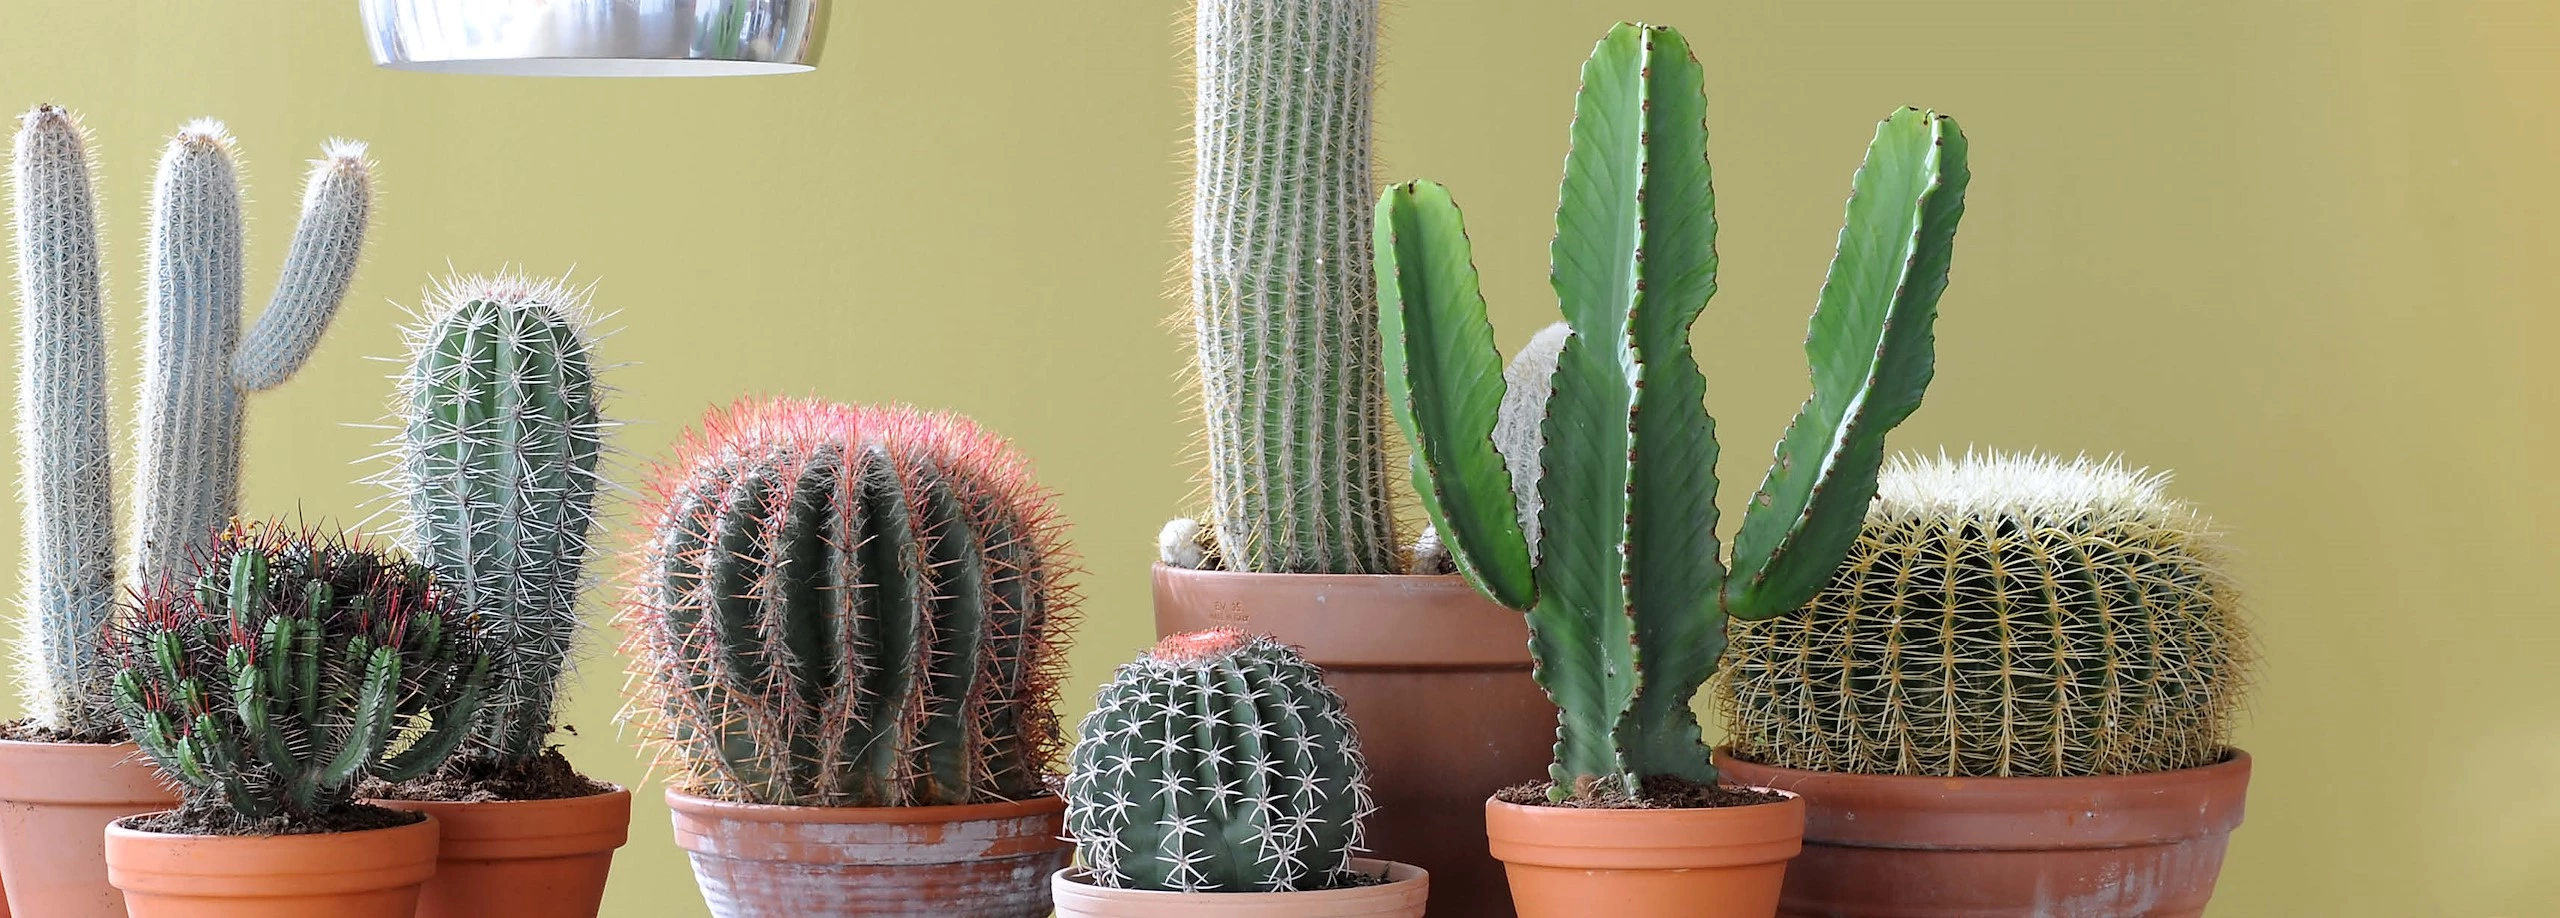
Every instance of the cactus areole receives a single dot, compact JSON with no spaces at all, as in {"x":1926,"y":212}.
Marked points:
{"x":1626,"y":595}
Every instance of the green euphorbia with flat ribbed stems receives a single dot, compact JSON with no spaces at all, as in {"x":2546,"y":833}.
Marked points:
{"x":1626,"y":593}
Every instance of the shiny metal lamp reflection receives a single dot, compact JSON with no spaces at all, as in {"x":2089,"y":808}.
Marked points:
{"x":596,"y":37}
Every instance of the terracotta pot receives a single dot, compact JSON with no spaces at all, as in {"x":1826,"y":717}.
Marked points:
{"x":990,"y":859}
{"x":1401,"y":896}
{"x":1719,"y":862}
{"x":56,"y":800}
{"x":1437,"y":678}
{"x":370,"y":874}
{"x":522,"y":858}
{"x":1882,"y":846}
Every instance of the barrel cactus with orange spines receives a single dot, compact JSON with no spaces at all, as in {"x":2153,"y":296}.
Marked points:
{"x":846,"y":605}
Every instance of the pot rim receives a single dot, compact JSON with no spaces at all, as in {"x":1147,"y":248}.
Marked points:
{"x":1402,"y":879}
{"x":611,"y":790}
{"x":1647,"y":839}
{"x":2015,"y":814}
{"x":117,"y":827}
{"x":244,"y":866}
{"x":696,"y":805}
{"x":110,"y":774}
{"x":2235,"y":759}
{"x":1350,"y":621}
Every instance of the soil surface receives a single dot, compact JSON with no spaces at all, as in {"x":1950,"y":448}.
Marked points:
{"x":1660,"y":792}
{"x":194,"y":818}
{"x":26,"y":731}
{"x":548,"y":777}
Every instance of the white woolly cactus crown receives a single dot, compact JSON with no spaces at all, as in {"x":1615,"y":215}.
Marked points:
{"x":2003,"y":615}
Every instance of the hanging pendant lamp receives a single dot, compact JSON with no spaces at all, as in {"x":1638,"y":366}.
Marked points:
{"x":596,"y":37}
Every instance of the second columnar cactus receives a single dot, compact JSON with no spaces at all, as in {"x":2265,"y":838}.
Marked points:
{"x":282,"y":669}
{"x":1283,"y":306}
{"x":500,"y":434}
{"x":196,"y":367}
{"x":1626,"y":593}
{"x":1217,"y":762}
{"x":850,"y":606}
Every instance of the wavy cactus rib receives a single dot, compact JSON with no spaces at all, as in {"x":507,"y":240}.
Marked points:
{"x":500,"y":435}
{"x":1217,"y":762}
{"x":66,"y":461}
{"x":1284,"y":313}
{"x":286,"y":668}
{"x":851,"y":606}
{"x":2003,"y":616}
{"x":1626,"y":596}
{"x":196,"y":366}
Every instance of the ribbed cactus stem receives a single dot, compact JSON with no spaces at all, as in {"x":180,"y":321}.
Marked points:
{"x":499,"y":439}
{"x":850,"y":606}
{"x":1285,"y":308}
{"x":66,"y":458}
{"x":196,"y":367}
{"x":1217,"y":762}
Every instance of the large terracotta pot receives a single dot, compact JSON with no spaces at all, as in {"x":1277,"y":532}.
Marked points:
{"x":1436,"y":677}
{"x":1717,"y":862}
{"x":1882,"y":846}
{"x":56,"y":800}
{"x":522,"y":858}
{"x":370,"y":874}
{"x":991,"y":859}
{"x":1401,"y":896}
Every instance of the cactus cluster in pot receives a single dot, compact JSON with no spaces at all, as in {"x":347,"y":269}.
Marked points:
{"x":198,"y":367}
{"x":281,"y":668}
{"x":2003,"y":615}
{"x":1626,"y":592}
{"x":500,"y":432}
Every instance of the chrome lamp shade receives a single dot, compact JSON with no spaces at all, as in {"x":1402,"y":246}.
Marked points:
{"x":596,"y":37}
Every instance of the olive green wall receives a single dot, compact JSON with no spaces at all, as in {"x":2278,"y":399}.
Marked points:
{"x":2297,"y":251}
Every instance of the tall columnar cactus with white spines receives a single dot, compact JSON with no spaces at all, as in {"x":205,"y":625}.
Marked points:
{"x":500,"y":435}
{"x":850,"y":606}
{"x":197,"y":367}
{"x":66,"y":461}
{"x":1217,"y":762}
{"x":1284,"y":309}
{"x":2003,"y":616}
{"x":1627,"y":594}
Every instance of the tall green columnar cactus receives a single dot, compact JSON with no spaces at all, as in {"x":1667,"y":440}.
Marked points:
{"x":66,"y":464}
{"x":500,"y":434}
{"x":850,"y":606}
{"x":197,"y":367}
{"x":1218,"y":762}
{"x":285,"y":668}
{"x":1626,"y":596}
{"x":1285,"y":316}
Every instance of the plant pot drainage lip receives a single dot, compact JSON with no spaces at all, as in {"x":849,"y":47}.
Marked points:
{"x":1402,"y":880}
{"x":1350,"y":621}
{"x":2012,"y":814}
{"x":694,"y":805}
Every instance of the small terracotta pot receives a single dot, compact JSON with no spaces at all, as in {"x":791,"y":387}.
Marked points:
{"x":990,"y":859}
{"x":56,"y":800}
{"x":1716,"y":862}
{"x":1436,"y":677}
{"x":522,"y":858}
{"x":369,"y":874}
{"x":1884,"y":846}
{"x":1401,"y":896}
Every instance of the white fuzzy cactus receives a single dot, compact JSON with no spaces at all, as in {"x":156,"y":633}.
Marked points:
{"x":196,"y":367}
{"x":66,"y":462}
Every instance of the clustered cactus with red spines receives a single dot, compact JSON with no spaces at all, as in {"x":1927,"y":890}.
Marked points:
{"x":286,"y":666}
{"x":850,"y":606}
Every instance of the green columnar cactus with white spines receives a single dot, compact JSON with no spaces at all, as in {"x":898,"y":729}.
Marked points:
{"x":2003,"y":616}
{"x":66,"y":460}
{"x":283,"y":669}
{"x":1217,"y":762}
{"x":1627,"y":596}
{"x":500,"y":435}
{"x":850,"y":606}
{"x":1284,"y":309}
{"x":197,"y":367}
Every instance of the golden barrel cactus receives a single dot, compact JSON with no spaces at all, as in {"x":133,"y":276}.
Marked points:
{"x":2002,"y":615}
